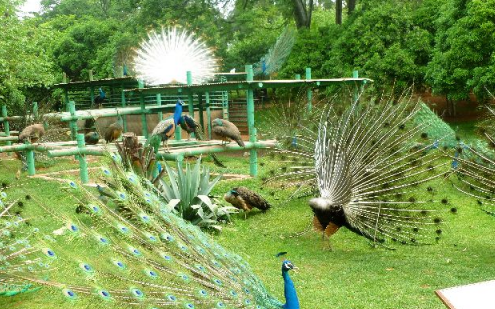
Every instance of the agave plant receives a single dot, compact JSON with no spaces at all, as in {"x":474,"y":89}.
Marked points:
{"x":187,"y":193}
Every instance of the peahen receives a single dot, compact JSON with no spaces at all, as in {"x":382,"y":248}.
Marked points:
{"x":245,"y":199}
{"x":123,"y":249}
{"x":165,"y":129}
{"x":190,"y":125}
{"x":114,"y":130}
{"x":366,"y":166}
{"x":32,"y":133}
{"x":227,"y":131}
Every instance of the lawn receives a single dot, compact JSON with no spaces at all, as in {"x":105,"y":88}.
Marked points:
{"x":354,"y":274}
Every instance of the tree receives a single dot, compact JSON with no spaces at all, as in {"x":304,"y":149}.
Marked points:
{"x":24,"y":61}
{"x":463,"y":58}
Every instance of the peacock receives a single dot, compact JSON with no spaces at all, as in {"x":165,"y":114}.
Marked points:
{"x":227,"y":131}
{"x":292,"y":302}
{"x":32,"y":133}
{"x":245,"y":199}
{"x":91,"y":138}
{"x":121,"y":249}
{"x":190,"y":125}
{"x":165,"y":129}
{"x":114,"y":130}
{"x":369,"y":167}
{"x":98,"y":101}
{"x":475,"y":167}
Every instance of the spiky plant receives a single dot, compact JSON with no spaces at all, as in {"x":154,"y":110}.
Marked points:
{"x":187,"y":192}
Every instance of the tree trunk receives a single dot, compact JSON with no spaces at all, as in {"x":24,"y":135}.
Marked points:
{"x":351,"y":5}
{"x":338,"y":12}
{"x":303,"y":19}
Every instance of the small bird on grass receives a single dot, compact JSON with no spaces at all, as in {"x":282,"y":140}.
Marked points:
{"x":245,"y":199}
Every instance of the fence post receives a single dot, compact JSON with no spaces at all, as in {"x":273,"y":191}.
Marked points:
{"x":208,"y":114}
{"x":83,"y":165}
{"x":30,"y":159}
{"x":144,"y":121}
{"x":355,"y":74}
{"x":6,"y":125}
{"x":309,"y":91}
{"x":253,"y":153}
{"x":124,"y":117}
{"x":73,"y":122}
{"x":225,"y":100}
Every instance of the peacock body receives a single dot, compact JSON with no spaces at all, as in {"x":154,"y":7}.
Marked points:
{"x":246,"y":199}
{"x":190,"y":125}
{"x":121,"y":249}
{"x":32,"y":133}
{"x":366,"y":171}
{"x":165,"y":129}
{"x":227,"y":131}
{"x":91,"y":138}
{"x":114,"y":130}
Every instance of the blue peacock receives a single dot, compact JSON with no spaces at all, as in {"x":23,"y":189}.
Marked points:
{"x":122,"y":248}
{"x":165,"y":129}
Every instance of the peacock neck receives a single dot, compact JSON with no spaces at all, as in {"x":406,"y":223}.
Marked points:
{"x":177,"y":113}
{"x":291,"y":300}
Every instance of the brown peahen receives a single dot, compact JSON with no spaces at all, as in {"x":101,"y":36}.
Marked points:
{"x":227,"y":131}
{"x":114,"y":130}
{"x":366,"y":166}
{"x":32,"y":133}
{"x":123,"y":249}
{"x":245,"y":199}
{"x":190,"y":125}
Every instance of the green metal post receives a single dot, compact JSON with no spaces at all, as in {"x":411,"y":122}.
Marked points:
{"x":208,"y":114}
{"x":355,"y":74}
{"x":30,"y":160}
{"x":253,"y":154}
{"x":298,"y":76}
{"x":35,"y":111}
{"x":6,"y":125}
{"x":73,"y":123}
{"x":92,"y":96}
{"x":201,"y":110}
{"x":159,"y":103}
{"x":83,"y":165}
{"x":144,"y":121}
{"x":225,"y":100}
{"x":190,"y":100}
{"x":309,"y":91}
{"x":66,"y":92}
{"x":124,"y":104}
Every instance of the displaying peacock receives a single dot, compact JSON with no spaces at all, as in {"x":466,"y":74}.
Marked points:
{"x":190,"y":125}
{"x":368,"y":165}
{"x":121,"y":249}
{"x":165,"y":129}
{"x":475,"y":166}
{"x":246,"y":199}
{"x":227,"y":131}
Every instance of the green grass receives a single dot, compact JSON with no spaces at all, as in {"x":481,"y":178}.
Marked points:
{"x":354,"y":275}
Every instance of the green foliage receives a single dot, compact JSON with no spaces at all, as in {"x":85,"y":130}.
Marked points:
{"x":383,"y":43}
{"x":463,"y":57}
{"x":24,"y":61}
{"x":187,"y":192}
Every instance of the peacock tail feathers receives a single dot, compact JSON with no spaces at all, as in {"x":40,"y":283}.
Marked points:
{"x":122,"y":245}
{"x":370,"y":166}
{"x":275,"y":58}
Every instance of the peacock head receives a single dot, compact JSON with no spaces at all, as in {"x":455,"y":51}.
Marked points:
{"x":234,"y":192}
{"x":287,"y":265}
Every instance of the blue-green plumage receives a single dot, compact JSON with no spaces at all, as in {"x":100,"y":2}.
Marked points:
{"x":165,"y":129}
